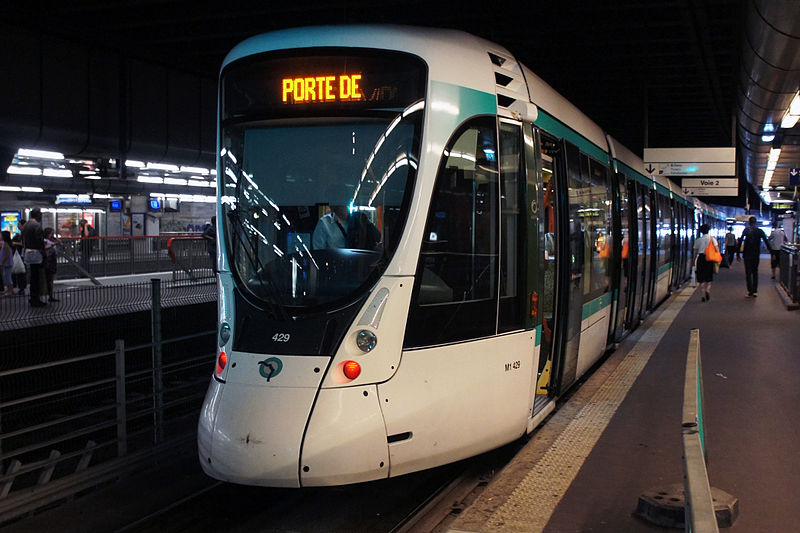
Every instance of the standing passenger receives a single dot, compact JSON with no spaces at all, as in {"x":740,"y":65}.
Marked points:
{"x":776,"y":240}
{"x":7,"y":263}
{"x":210,"y":236}
{"x":704,"y":270}
{"x":50,"y":261}
{"x":750,"y":245}
{"x":33,"y":241}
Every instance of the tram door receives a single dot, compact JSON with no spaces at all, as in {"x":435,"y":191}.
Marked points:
{"x":642,"y":252}
{"x":549,"y":258}
{"x":625,"y":282}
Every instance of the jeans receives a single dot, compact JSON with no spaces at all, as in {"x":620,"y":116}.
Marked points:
{"x":751,"y":274}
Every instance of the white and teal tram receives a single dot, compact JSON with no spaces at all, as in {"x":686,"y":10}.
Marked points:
{"x":421,"y":246}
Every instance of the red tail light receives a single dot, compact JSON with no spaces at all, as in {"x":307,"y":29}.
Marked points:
{"x":222,"y":360}
{"x":351,"y":369}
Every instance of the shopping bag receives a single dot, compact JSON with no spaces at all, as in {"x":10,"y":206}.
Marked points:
{"x":18,"y":267}
{"x":712,"y":252}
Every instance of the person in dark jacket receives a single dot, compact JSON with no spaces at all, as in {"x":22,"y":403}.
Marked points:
{"x":750,"y":246}
{"x":33,"y":242}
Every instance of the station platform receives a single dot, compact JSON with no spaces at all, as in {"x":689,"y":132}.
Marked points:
{"x":619,"y":434}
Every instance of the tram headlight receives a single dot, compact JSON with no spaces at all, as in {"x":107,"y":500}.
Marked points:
{"x":224,"y":333}
{"x":366,"y":340}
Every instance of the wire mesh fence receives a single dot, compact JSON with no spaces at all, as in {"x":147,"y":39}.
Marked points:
{"x":69,"y":303}
{"x":66,"y":413}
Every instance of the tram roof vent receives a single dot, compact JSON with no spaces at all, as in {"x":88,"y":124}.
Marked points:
{"x":510,"y":86}
{"x":496,"y":59}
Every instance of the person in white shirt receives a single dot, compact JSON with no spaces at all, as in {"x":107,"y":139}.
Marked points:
{"x":776,"y":240}
{"x":704,"y":270}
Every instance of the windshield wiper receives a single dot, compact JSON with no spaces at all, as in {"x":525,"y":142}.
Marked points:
{"x":251,"y":252}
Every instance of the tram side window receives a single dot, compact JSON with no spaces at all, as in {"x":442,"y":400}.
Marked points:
{"x":593,"y":202}
{"x":664,"y":230}
{"x":511,"y":308}
{"x":456,"y":292}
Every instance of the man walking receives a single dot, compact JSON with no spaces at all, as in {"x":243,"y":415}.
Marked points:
{"x":750,"y":245}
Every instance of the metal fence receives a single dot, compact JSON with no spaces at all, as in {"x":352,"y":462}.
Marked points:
{"x":67,"y":423}
{"x":128,"y":255}
{"x":789,"y":258}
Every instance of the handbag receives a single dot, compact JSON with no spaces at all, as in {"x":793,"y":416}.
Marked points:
{"x":18,"y":267}
{"x":712,"y":253}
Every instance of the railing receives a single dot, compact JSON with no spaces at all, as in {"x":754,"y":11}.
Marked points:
{"x":699,"y":507}
{"x":68,"y":423}
{"x":789,"y":257}
{"x":128,"y":255}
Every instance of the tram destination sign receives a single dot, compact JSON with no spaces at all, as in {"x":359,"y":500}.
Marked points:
{"x":710,"y":186}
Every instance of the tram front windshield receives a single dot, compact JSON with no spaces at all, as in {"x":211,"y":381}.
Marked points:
{"x":318,"y":154}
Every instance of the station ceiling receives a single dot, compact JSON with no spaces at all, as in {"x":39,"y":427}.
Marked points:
{"x":655,"y":73}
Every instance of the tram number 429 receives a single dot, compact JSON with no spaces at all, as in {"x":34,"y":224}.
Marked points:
{"x":513,"y":366}
{"x":281,"y":337}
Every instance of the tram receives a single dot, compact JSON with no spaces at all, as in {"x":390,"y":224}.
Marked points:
{"x":422,"y":245}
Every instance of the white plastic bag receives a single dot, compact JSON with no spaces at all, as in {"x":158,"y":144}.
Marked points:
{"x":19,"y":266}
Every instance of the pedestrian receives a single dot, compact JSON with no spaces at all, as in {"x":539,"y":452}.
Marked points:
{"x":50,"y":262}
{"x":88,"y":235}
{"x":7,"y":263}
{"x":33,"y":242}
{"x":730,"y":245}
{"x":210,"y":236}
{"x":19,"y":276}
{"x":704,"y":269}
{"x":776,"y":239}
{"x":750,"y":247}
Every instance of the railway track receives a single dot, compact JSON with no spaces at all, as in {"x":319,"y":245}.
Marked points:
{"x":414,"y":503}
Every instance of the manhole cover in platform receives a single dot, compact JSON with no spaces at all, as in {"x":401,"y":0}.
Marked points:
{"x":663,"y":506}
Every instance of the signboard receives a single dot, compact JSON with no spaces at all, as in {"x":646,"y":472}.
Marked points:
{"x":695,"y":169}
{"x":690,"y":161}
{"x":710,"y":186}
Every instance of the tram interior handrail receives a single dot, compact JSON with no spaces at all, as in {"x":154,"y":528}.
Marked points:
{"x":699,"y":508}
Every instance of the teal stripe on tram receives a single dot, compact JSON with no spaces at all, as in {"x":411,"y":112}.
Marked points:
{"x":664,"y":268}
{"x":590,"y":308}
{"x":538,"y":335}
{"x":552,"y":125}
{"x":634,"y":174}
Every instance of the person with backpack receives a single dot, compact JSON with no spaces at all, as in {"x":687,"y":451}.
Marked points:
{"x":750,"y":247}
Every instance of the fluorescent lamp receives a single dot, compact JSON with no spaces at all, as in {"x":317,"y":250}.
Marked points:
{"x":27,"y":171}
{"x":149,"y":179}
{"x":41,"y":154}
{"x":789,"y":121}
{"x":131,"y":163}
{"x":195,"y":170}
{"x":174,"y":181}
{"x":58,"y":172}
{"x":162,"y":166}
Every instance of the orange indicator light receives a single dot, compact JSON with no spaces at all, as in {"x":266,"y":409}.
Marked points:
{"x":326,"y":88}
{"x":222,"y":360}
{"x":351,"y":369}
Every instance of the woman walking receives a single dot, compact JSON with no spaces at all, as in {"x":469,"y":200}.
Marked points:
{"x":704,"y":270}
